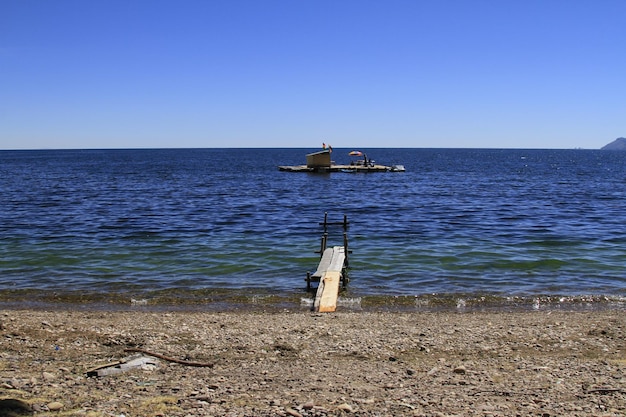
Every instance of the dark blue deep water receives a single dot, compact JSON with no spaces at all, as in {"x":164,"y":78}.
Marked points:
{"x":225,"y":226}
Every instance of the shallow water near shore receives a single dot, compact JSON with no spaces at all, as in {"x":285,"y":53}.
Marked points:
{"x":224,"y":227}
{"x":266,"y":302}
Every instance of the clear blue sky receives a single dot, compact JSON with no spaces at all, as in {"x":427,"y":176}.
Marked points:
{"x":292,"y":73}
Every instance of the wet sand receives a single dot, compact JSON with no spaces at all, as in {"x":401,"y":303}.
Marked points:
{"x":528,"y":363}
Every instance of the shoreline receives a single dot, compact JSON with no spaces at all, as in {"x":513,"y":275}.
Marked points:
{"x":297,"y":363}
{"x":235,"y":301}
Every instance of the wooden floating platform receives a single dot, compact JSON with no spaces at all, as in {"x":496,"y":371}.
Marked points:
{"x":343,"y":168}
{"x":321,"y":162}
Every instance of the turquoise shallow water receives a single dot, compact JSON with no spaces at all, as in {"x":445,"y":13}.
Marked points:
{"x":226,"y":226}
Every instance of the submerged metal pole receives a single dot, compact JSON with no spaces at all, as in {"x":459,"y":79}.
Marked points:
{"x":345,"y":248}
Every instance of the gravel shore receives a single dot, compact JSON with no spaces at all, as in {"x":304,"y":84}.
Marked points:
{"x":539,"y":363}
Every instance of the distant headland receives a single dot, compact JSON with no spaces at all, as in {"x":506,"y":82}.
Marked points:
{"x":618,"y":144}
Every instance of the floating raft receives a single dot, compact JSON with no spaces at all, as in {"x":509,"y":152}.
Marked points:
{"x":320,"y":162}
{"x":343,"y":168}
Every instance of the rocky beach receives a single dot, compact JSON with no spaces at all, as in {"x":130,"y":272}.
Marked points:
{"x":154,"y":363}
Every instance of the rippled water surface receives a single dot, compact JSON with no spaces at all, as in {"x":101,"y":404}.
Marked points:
{"x":194,"y":222}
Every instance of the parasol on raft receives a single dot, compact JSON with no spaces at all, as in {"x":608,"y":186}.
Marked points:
{"x":355,"y":153}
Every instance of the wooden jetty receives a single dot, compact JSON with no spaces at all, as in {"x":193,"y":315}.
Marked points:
{"x":321,"y":162}
{"x":331,"y":270}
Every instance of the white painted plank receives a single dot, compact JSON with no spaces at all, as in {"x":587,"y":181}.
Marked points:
{"x":328,"y":289}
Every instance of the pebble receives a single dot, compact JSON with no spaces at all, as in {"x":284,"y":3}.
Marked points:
{"x":293,"y":412}
{"x":460,"y":370}
{"x":55,"y":406}
{"x":345,"y":407}
{"x":433,"y":371}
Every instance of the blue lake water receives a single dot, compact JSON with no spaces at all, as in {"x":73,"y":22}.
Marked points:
{"x":226,"y":226}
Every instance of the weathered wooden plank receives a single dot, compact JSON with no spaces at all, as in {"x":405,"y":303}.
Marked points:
{"x":328,"y":289}
{"x":339,"y":256}
{"x":318,"y":296}
{"x":328,"y":300}
{"x":322,"y":267}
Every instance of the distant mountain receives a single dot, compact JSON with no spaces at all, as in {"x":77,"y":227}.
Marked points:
{"x":618,"y":144}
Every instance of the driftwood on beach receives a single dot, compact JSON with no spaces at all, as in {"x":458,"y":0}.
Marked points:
{"x":140,"y":362}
